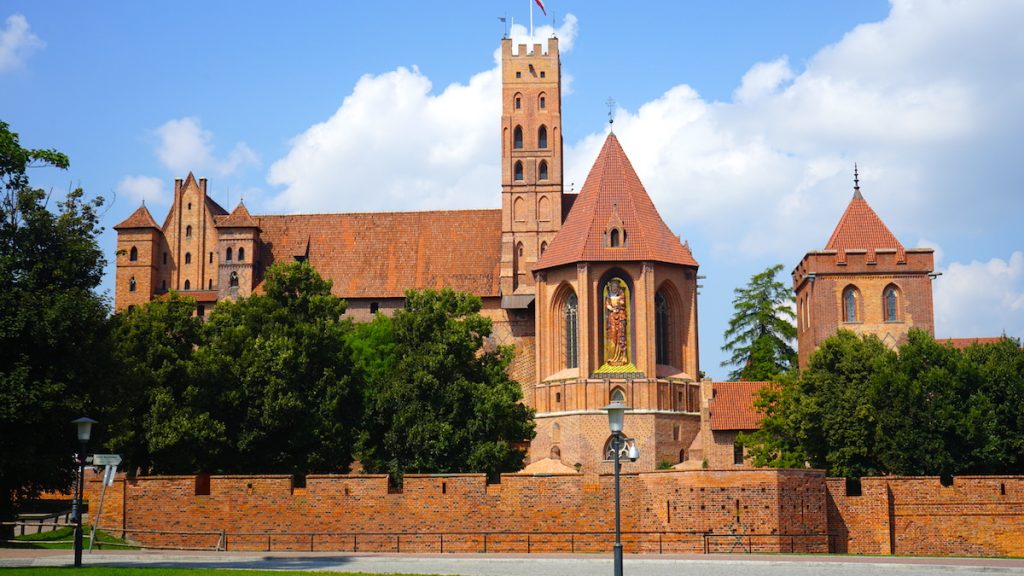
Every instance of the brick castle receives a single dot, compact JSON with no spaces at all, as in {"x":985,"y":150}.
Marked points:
{"x":595,"y":292}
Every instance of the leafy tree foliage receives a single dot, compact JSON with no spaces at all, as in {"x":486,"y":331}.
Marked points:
{"x":760,"y":332}
{"x":434,"y":402}
{"x":153,"y":346}
{"x":52,"y":324}
{"x":928,"y":408}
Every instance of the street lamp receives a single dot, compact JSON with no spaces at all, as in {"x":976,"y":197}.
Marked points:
{"x":616,"y":415}
{"x":83,"y":426}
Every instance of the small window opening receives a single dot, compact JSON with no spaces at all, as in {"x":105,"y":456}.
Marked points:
{"x":558,"y":397}
{"x":188,"y":231}
{"x":131,"y":284}
{"x":542,"y":74}
{"x":682,"y":455}
{"x":556,"y":453}
{"x":946,"y":480}
{"x":543,"y":102}
{"x":200,"y":310}
{"x":374,"y":307}
{"x":519,"y":103}
{"x":188,"y":285}
{"x":543,"y":247}
{"x":228,"y":255}
{"x":189,"y":205}
{"x":618,"y":395}
{"x":853,"y":487}
{"x":133,"y":255}
{"x":519,"y":74}
{"x":737,"y":453}
{"x":517,"y":138}
{"x":241,"y":254}
{"x":209,"y":284}
{"x":1002,"y":489}
{"x":165,"y":257}
{"x":542,"y":171}
{"x":202,"y":484}
{"x":444,"y":487}
{"x":188,"y":257}
{"x":614,"y":238}
{"x":542,"y":137}
{"x":518,"y":172}
{"x":233,"y":279}
{"x":211,"y":257}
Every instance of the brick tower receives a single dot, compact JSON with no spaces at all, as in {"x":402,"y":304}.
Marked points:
{"x":864,"y":280}
{"x":238,"y":242}
{"x":139,"y":241}
{"x":531,"y":162}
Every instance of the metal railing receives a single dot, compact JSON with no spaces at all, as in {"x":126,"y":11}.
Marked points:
{"x":482,"y":542}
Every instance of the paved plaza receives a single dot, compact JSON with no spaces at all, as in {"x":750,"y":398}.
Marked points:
{"x":532,"y":565}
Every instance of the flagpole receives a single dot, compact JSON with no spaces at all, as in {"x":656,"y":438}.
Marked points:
{"x":531,"y":20}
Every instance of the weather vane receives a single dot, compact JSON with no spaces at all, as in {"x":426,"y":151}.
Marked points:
{"x":611,"y":111}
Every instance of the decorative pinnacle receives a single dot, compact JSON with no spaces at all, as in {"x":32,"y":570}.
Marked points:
{"x":856,"y":183}
{"x":611,"y":111}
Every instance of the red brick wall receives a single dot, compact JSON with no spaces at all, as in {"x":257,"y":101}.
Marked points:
{"x":683,"y":502}
{"x":974,"y":516}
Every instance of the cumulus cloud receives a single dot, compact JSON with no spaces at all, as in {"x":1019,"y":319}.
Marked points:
{"x":981,"y":299}
{"x":16,"y":42}
{"x":395,"y":144}
{"x":184,"y":145}
{"x":140,"y":189}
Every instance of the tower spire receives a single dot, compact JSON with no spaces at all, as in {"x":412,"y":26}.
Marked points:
{"x":611,"y":114}
{"x":856,"y":183}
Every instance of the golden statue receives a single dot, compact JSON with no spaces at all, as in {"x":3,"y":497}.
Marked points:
{"x":616,"y":343}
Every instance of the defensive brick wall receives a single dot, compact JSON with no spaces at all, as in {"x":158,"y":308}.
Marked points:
{"x":667,"y":511}
{"x":969,"y":516}
{"x":664,"y":511}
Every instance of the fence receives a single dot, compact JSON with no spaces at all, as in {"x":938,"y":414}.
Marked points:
{"x":493,"y":542}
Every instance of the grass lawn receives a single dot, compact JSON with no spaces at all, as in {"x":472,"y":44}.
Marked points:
{"x":61,"y":537}
{"x":104,"y":571}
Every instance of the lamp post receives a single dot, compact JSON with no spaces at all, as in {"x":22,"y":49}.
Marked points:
{"x":84,"y":429}
{"x":616,"y":415}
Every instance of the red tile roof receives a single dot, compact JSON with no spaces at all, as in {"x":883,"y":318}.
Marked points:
{"x":239,"y":218}
{"x":381,"y":255}
{"x":732,"y":405}
{"x":861,"y":229}
{"x":613,"y":194}
{"x":964,"y":343}
{"x":141,"y":218}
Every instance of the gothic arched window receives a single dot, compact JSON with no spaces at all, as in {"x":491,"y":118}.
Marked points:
{"x":188,"y":257}
{"x":571,"y":349}
{"x":233,"y":279}
{"x":133,"y":254}
{"x":890,"y":301}
{"x":518,"y":174}
{"x":227,"y":257}
{"x":542,"y":170}
{"x":662,"y":327}
{"x":517,"y":138}
{"x":851,"y":304}
{"x":617,"y":395}
{"x":131,"y":284}
{"x":241,"y":254}
{"x":188,"y":231}
{"x":188,"y":285}
{"x":542,"y":102}
{"x":542,"y":137}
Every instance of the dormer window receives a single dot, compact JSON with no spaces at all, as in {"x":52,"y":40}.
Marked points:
{"x":616,"y":238}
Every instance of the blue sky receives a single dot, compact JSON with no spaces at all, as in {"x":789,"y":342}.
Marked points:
{"x":743,"y":119}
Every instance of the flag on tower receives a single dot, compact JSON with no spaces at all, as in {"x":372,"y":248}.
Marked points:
{"x":540,"y":3}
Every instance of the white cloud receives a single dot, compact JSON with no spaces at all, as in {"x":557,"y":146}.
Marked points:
{"x":185,"y":146}
{"x":393,"y":144}
{"x":981,"y":299}
{"x":16,"y":42}
{"x":763,"y":79}
{"x":143,"y":189}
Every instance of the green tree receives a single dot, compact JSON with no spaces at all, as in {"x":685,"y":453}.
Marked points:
{"x":760,"y":332}
{"x":153,"y":345}
{"x":53,"y":330}
{"x":992,"y":408}
{"x":280,"y":369}
{"x":438,"y":403}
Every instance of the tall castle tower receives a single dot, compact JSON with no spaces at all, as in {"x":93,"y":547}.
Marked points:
{"x":864,"y":281}
{"x":531,"y":160}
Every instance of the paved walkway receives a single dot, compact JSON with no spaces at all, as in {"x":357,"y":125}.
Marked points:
{"x":533,"y":564}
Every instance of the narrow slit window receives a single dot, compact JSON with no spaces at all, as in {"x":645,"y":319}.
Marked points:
{"x":133,"y":255}
{"x":517,"y":138}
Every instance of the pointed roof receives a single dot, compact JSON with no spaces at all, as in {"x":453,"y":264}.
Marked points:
{"x":239,"y":218}
{"x":141,"y":218}
{"x":613,"y":196}
{"x":861,"y":229}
